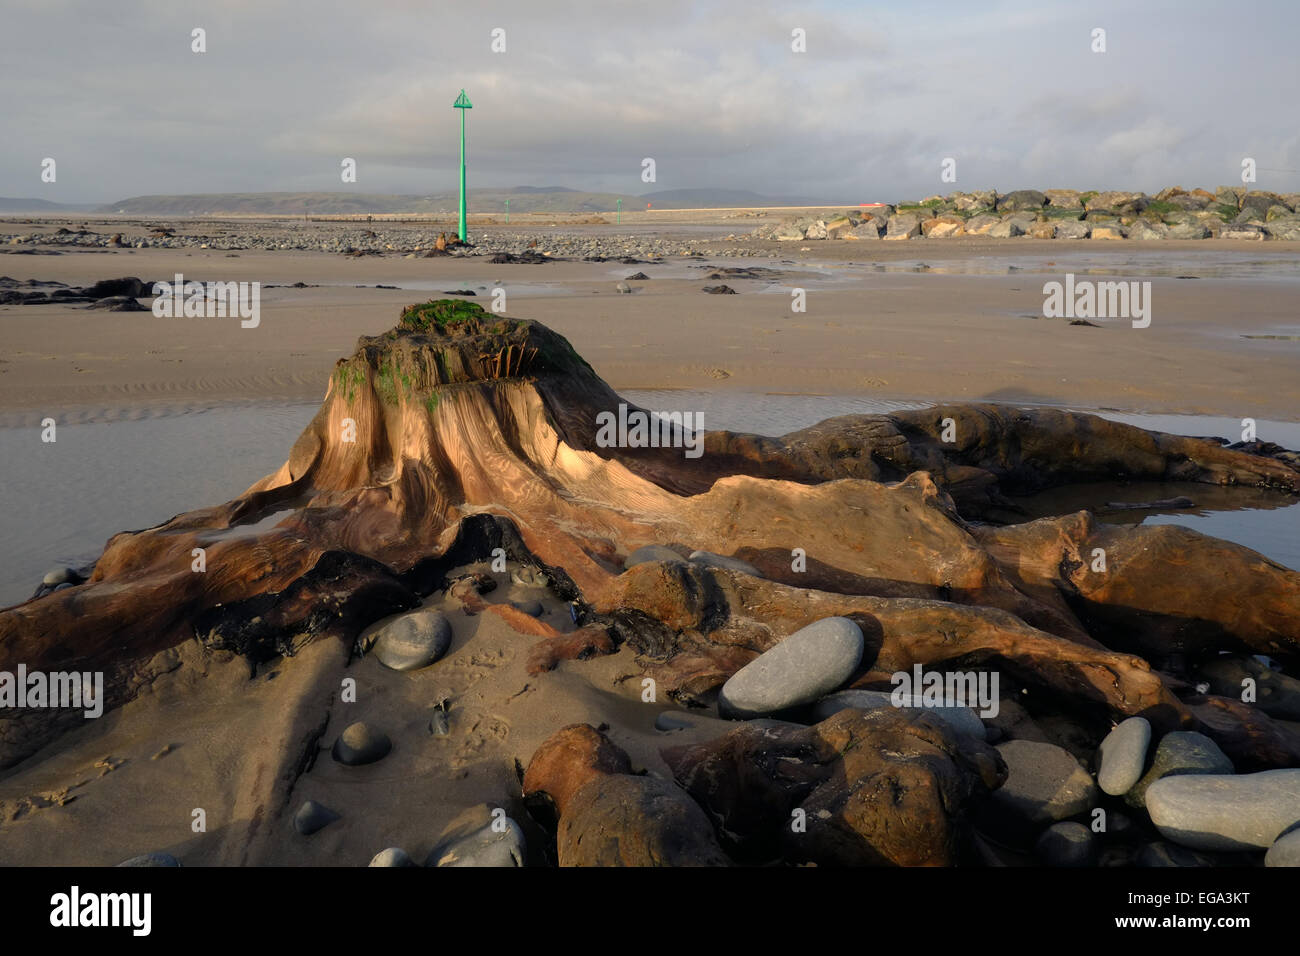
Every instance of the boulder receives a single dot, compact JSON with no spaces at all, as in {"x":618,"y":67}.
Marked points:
{"x":1288,"y":228}
{"x":1006,"y":229}
{"x":1063,"y":198}
{"x":1143,"y":229}
{"x":1071,"y":229}
{"x":816,"y":230}
{"x":904,"y":226}
{"x":943,"y":227}
{"x":1022,"y":200}
{"x":1041,"y":230}
{"x":1241,"y":231}
{"x":1238,"y":812}
{"x":1107,"y":232}
{"x":805,"y":666}
{"x":980,"y":225}
{"x":1178,"y":753}
{"x":1188,"y":230}
{"x":1118,"y":201}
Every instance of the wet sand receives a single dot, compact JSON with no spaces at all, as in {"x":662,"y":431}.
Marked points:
{"x":886,"y":334}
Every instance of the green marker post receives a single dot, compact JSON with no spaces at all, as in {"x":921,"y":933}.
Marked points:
{"x":462,"y":103}
{"x":620,"y":212}
{"x":507,"y":203}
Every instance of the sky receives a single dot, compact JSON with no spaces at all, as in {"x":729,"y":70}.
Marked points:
{"x":585,"y":91}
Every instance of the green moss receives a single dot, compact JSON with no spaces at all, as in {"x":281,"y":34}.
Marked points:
{"x":431,"y":403}
{"x":441,"y":314}
{"x":1226,"y":213}
{"x":1089,"y":196}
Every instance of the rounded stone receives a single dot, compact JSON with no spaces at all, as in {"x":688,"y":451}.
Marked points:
{"x":312,"y":816}
{"x":807,"y":665}
{"x":1179,"y":753}
{"x":1123,"y":754}
{"x":501,"y":845}
{"x":393,"y":856}
{"x":1045,"y":784}
{"x":57,"y":576}
{"x":439,"y":724}
{"x":711,"y":560}
{"x":361,"y":744}
{"x":1239,"y":812}
{"x":668,"y":721}
{"x":1285,"y":850}
{"x":1068,"y":845}
{"x":411,"y":641}
{"x":652,"y":552}
{"x":961,"y":718}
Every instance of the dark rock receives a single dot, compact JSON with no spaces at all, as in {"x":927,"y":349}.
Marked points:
{"x":312,"y":816}
{"x":361,"y":744}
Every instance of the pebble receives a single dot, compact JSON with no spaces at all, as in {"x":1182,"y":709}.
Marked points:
{"x":57,"y":576}
{"x":961,"y":718}
{"x":1238,"y":812}
{"x":805,"y":666}
{"x":530,"y":577}
{"x":711,"y":560}
{"x":393,"y":856}
{"x":361,"y":744}
{"x":668,"y":721}
{"x":1285,"y":850}
{"x":1067,"y":844}
{"x":312,"y":816}
{"x":1180,"y":752}
{"x":411,"y":641}
{"x":1123,"y":754}
{"x":439,"y":724}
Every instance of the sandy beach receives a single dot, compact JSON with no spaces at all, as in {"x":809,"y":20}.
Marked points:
{"x":888,"y":320}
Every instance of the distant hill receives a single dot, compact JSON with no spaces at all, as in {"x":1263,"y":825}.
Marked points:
{"x":557,"y":199}
{"x":8,"y":205}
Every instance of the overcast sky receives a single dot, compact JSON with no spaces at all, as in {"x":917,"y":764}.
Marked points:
{"x":588,"y":88}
